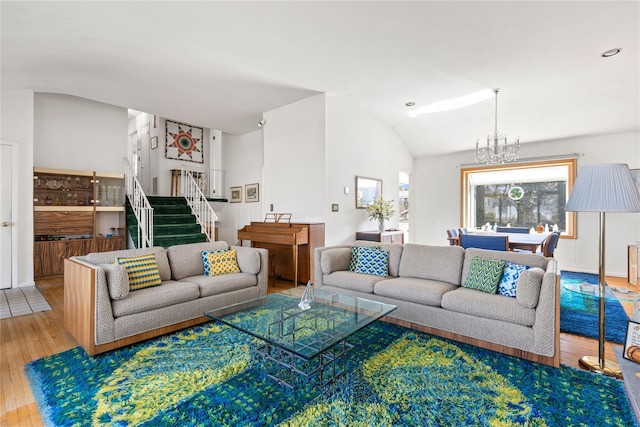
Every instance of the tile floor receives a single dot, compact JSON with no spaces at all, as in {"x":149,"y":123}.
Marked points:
{"x":21,"y":301}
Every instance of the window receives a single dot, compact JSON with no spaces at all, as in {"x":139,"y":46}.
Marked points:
{"x":520,"y":195}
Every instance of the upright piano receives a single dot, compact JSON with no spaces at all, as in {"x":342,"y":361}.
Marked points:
{"x":291,"y":246}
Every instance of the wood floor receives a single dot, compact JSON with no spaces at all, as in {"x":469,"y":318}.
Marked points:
{"x":30,"y":337}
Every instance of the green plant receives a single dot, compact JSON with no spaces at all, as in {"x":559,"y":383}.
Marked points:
{"x":380,"y":209}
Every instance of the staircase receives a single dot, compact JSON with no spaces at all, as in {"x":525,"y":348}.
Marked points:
{"x":173,"y":222}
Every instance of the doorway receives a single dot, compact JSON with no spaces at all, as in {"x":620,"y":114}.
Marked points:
{"x":6,"y":215}
{"x":403,"y":199}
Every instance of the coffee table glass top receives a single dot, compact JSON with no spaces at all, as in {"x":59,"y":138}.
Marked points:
{"x":277,"y":319}
{"x":611,"y":293}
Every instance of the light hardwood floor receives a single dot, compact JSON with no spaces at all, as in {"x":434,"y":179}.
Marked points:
{"x":30,"y":337}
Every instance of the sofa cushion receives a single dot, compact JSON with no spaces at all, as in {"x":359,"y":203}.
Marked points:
{"x":532,"y":260}
{"x":529,"y":284}
{"x":421,"y":291}
{"x":440,"y":263}
{"x":374,"y":261}
{"x":214,"y":285}
{"x":110,"y":257}
{"x":509,"y":282}
{"x":186,"y":259}
{"x":248,"y":260}
{"x":335,"y":259}
{"x":352,"y":281}
{"x":168,"y":293}
{"x":222,"y":262}
{"x":395,"y":253}
{"x":117,"y":280}
{"x":142,"y":271}
{"x":489,"y":306}
{"x":484,"y":275}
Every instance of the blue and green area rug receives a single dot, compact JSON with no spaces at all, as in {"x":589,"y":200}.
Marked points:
{"x":579,"y":312}
{"x":206,"y":376}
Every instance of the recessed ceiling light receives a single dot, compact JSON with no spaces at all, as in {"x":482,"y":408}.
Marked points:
{"x":453,"y":103}
{"x":611,"y":52}
{"x":410,"y":104}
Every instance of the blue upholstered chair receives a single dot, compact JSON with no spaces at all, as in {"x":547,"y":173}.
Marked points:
{"x":523,"y":230}
{"x":550,"y":244}
{"x":496,"y":243}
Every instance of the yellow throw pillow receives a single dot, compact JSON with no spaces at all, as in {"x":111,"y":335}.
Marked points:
{"x":223,"y":262}
{"x":142,"y":271}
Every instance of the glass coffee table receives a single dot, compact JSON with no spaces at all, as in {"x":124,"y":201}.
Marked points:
{"x":610,"y":293}
{"x":298,"y":346}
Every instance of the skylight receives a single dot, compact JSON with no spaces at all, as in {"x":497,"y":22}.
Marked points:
{"x":453,"y":103}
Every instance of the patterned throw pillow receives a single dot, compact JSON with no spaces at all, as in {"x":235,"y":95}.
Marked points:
{"x":224,"y":262}
{"x":354,"y":256}
{"x":373,"y":260}
{"x":142,"y":271}
{"x":205,"y":260}
{"x":484,"y":275}
{"x":510,"y":277}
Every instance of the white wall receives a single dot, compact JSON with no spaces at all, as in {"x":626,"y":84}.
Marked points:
{"x":358,"y":144}
{"x":77,"y":133}
{"x":435,"y":195}
{"x":17,"y":126}
{"x":242,"y":160}
{"x":293,"y":174}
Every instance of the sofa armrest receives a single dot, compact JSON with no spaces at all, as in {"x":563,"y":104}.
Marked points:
{"x":263,"y":273}
{"x":87,"y":306}
{"x":318,"y":256}
{"x":547,"y":322}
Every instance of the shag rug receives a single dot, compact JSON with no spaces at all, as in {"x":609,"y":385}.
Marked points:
{"x":579,"y":312}
{"x":206,"y":376}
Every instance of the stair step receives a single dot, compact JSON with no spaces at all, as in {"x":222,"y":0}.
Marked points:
{"x":178,"y":239}
{"x":167,"y":219}
{"x":170,"y":229}
{"x":160,"y":200}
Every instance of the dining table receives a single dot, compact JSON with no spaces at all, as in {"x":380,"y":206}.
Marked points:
{"x":527,"y":242}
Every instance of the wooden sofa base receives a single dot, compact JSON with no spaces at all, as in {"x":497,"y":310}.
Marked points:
{"x":547,"y":360}
{"x":80,"y":312}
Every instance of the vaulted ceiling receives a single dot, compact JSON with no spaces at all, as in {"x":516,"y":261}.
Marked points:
{"x":222,"y":64}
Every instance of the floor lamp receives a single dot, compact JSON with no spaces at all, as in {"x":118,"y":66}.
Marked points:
{"x":603,"y":188}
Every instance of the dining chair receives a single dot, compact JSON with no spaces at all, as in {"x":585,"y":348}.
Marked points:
{"x":496,"y":243}
{"x":550,"y":244}
{"x":463,"y":230}
{"x":523,"y":230}
{"x":452,"y":236}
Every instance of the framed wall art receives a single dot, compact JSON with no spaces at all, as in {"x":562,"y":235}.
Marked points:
{"x":367,"y":190}
{"x":251,"y":193}
{"x":154,"y":142}
{"x":236,"y":194}
{"x":184,"y":142}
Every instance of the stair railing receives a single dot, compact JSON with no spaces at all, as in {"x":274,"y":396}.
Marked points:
{"x":198,"y":203}
{"x":141,"y":208}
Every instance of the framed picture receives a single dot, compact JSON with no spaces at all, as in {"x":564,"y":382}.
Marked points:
{"x":632,"y":342}
{"x":183,"y":142}
{"x":236,"y":195}
{"x":251,"y":193}
{"x":367,"y":190}
{"x":154,"y":142}
{"x":154,"y":122}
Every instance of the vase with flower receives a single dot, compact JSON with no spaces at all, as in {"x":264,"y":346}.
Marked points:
{"x":380,"y":210}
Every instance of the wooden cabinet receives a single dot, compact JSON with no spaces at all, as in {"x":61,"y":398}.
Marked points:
{"x":74,"y":211}
{"x":396,"y":236}
{"x":633,"y":260}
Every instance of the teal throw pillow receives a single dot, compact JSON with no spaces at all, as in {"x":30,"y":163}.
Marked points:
{"x":510,"y":276}
{"x":372,"y":260}
{"x":484,"y":275}
{"x":354,"y":256}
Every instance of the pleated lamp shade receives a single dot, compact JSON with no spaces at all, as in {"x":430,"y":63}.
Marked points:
{"x":606,"y":187}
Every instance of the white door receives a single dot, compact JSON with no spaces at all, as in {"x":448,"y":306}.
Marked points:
{"x":6,"y":171}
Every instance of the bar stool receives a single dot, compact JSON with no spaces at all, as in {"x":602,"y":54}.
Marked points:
{"x":175,"y":179}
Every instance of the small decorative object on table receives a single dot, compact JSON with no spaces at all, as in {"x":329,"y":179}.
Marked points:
{"x":380,"y":210}
{"x":307,"y":297}
{"x":632,"y":343}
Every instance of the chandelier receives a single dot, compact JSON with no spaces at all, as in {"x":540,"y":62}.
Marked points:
{"x":497,"y":150}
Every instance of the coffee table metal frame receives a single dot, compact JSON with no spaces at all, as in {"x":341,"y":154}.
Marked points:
{"x":300,"y":346}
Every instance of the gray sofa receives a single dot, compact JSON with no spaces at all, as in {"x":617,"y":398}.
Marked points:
{"x":103,"y":314}
{"x":425,"y":283}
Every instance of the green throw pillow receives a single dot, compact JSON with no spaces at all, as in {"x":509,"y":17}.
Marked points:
{"x":373,"y":260}
{"x":484,"y":275}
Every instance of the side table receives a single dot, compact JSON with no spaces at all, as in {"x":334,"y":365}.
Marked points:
{"x":631,"y":376}
{"x":387,"y":236}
